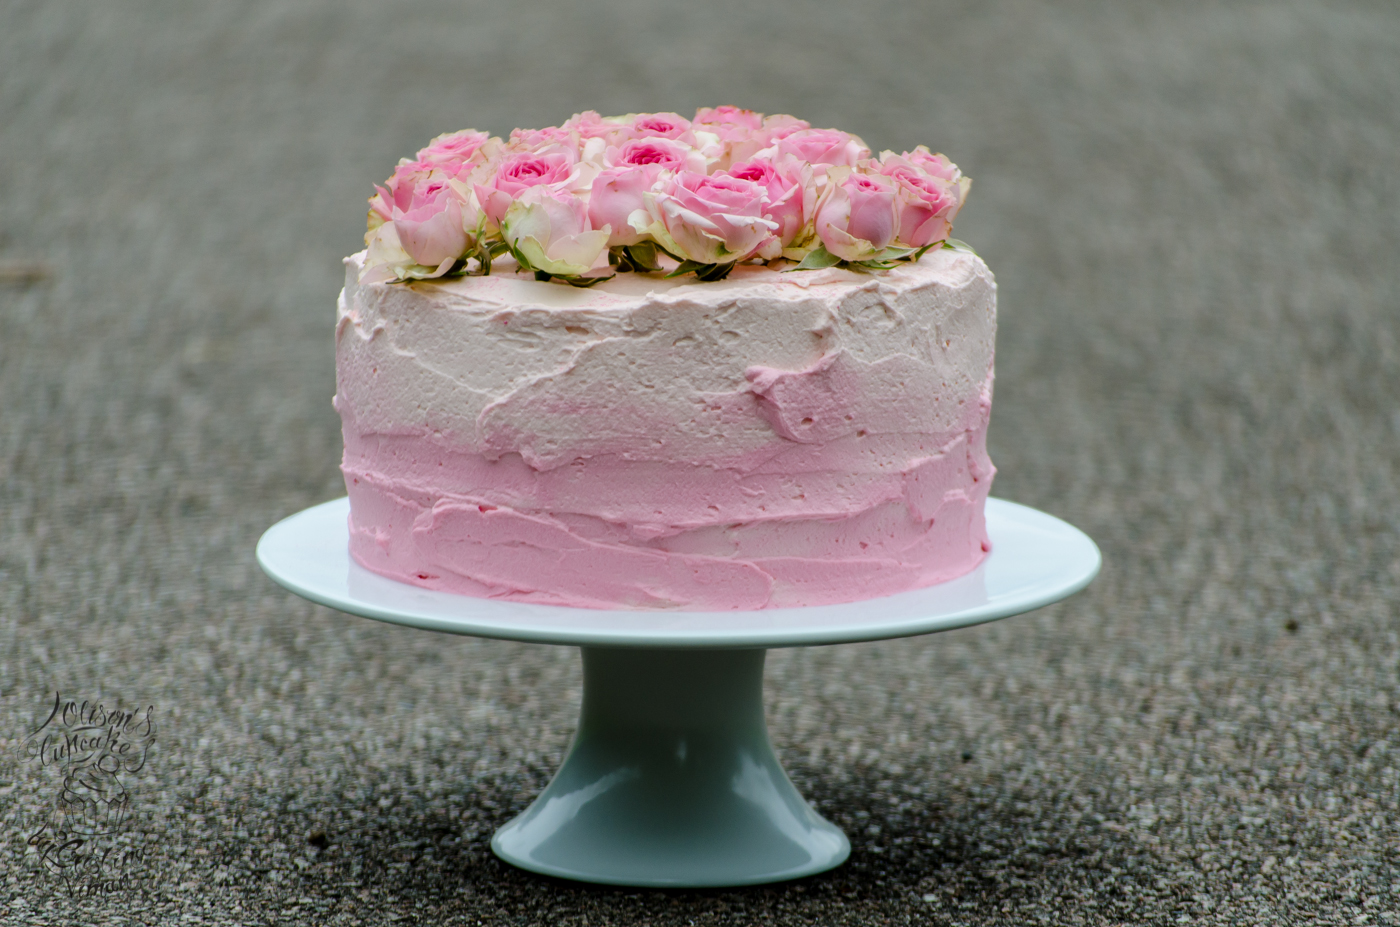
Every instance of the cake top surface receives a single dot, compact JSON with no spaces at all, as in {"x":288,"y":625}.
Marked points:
{"x":598,"y":197}
{"x":509,"y":286}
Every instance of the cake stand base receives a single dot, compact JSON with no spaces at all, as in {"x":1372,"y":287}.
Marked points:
{"x":671,"y":781}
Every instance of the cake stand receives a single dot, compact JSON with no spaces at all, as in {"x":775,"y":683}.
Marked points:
{"x":670,"y":780}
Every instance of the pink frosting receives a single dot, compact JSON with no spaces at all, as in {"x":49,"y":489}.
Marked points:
{"x":832,"y":489}
{"x":795,"y":529}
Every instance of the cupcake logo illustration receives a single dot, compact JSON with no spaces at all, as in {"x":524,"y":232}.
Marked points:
{"x":89,"y":752}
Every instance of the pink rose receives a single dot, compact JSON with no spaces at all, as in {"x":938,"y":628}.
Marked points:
{"x":765,"y":137}
{"x":711,"y":219}
{"x":398,"y":189}
{"x":456,"y":151}
{"x":660,"y":125}
{"x":727,"y":134}
{"x":656,"y":152}
{"x":926,"y":208}
{"x":431,"y":229}
{"x":823,"y":147}
{"x":791,"y":194}
{"x":539,"y":139}
{"x":930,"y":190}
{"x":551,"y":167}
{"x":589,"y":125}
{"x":781,"y":126}
{"x":857,"y":218}
{"x":935,"y":165}
{"x":616,"y":194}
{"x":431,"y":213}
{"x":731,"y":117}
{"x":549,"y":231}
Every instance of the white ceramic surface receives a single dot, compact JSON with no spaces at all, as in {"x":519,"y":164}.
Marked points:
{"x":671,"y":780}
{"x":1036,"y":559}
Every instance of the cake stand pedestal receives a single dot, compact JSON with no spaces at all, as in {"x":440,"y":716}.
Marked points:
{"x":670,"y":780}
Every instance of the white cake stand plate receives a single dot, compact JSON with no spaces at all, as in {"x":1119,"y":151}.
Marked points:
{"x":670,"y":780}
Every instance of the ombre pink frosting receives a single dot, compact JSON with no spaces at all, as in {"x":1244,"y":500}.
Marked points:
{"x":769,"y":440}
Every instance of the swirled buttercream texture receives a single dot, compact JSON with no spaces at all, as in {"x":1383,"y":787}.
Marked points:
{"x":766,"y":441}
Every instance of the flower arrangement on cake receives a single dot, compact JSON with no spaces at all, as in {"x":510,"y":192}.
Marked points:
{"x":657,"y":192}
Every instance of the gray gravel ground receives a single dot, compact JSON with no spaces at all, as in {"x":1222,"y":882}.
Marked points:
{"x":1193,"y":212}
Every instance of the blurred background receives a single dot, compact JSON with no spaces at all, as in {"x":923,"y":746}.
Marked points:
{"x":1192,"y":212}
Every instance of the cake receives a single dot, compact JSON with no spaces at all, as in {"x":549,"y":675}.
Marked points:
{"x":672,"y":430}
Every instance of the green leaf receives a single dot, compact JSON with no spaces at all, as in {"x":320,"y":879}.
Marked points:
{"x":817,"y":259}
{"x":662,"y":248}
{"x":524,"y":264}
{"x":687,"y":267}
{"x":642,"y":255}
{"x":959,"y":246}
{"x":586,"y":282}
{"x":713,"y":272}
{"x":542,"y":276}
{"x":706,"y":272}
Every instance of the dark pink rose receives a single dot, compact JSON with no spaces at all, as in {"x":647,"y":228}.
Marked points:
{"x":661,"y":153}
{"x":711,"y":219}
{"x":791,"y":193}
{"x":616,"y":195}
{"x":857,"y":218}
{"x":552,"y":167}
